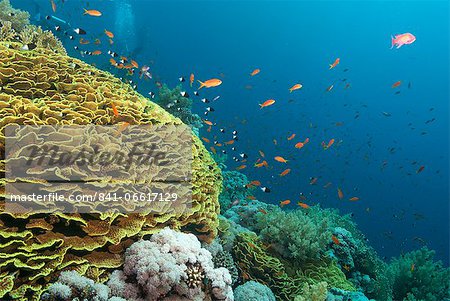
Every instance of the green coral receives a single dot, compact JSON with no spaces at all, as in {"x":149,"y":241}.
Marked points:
{"x":313,"y":292}
{"x":173,"y":102}
{"x":298,"y":234}
{"x":416,"y":276}
{"x":256,"y":264}
{"x":324,"y":270}
{"x":233,"y":188}
{"x":18,"y":18}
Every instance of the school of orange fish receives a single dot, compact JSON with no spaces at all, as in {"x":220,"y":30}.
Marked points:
{"x":278,"y":162}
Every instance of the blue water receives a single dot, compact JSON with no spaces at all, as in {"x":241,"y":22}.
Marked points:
{"x":294,"y":42}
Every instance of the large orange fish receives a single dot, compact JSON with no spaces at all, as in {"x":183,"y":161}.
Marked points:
{"x":402,"y":39}
{"x":92,"y":12}
{"x":267,"y":103}
{"x":336,"y":62}
{"x":295,"y":87}
{"x":214,"y":82}
{"x":254,"y":72}
{"x":280,"y":159}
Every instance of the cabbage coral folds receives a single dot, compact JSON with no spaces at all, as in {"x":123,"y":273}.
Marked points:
{"x":44,"y":87}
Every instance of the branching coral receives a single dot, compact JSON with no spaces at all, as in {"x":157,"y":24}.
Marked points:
{"x":253,"y":291}
{"x":416,"y":276}
{"x":73,"y":286}
{"x":18,"y":18}
{"x":179,"y":106}
{"x":170,"y":264}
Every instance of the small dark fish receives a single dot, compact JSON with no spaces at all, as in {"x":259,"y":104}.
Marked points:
{"x":79,"y":31}
{"x":152,"y":95}
{"x":430,"y":120}
{"x":386,"y":114}
{"x":233,"y":148}
{"x":222,"y":130}
{"x":196,"y":93}
{"x":71,"y":38}
{"x":234,"y":132}
{"x":421,"y":168}
{"x":431,"y":109}
{"x":423,"y":133}
{"x":30,"y":46}
{"x":243,"y":156}
{"x":57,"y":28}
{"x":184,"y":94}
{"x":398,"y":92}
{"x":265,"y":189}
{"x":210,"y":109}
{"x":204,"y":100}
{"x":345,"y":70}
{"x":181,"y":79}
{"x":224,"y":151}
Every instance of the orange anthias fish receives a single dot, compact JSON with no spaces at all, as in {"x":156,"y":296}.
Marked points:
{"x":421,"y":168}
{"x":205,"y":139}
{"x":208,"y":122}
{"x":263,"y":163}
{"x":335,"y":240}
{"x":340,"y":194}
{"x":267,"y":103}
{"x":291,"y":137}
{"x":114,"y":108}
{"x":214,"y":82}
{"x":191,"y":79}
{"x":261,"y":153}
{"x":285,"y":172}
{"x":284,"y":203}
{"x":254,"y":72}
{"x":396,"y":84}
{"x":229,"y":142}
{"x":303,"y":205}
{"x":255,"y":183}
{"x":413,"y":267}
{"x":109,"y":34}
{"x":402,"y":39}
{"x":354,"y":199}
{"x":212,"y":148}
{"x":53,"y":5}
{"x":336,"y":62}
{"x":306,"y":141}
{"x":295,"y":87}
{"x":241,"y":167}
{"x":330,"y":143}
{"x":96,"y":52}
{"x":92,"y":12}
{"x":84,"y":42}
{"x":134,"y":64}
{"x":299,"y":145}
{"x":280,"y":159}
{"x":313,"y":181}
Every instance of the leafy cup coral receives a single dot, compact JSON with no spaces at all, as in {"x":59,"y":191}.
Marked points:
{"x":41,"y":87}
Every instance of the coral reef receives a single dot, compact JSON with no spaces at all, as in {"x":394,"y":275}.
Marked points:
{"x":73,"y":286}
{"x":336,"y":294}
{"x":18,"y":18}
{"x":314,"y":292}
{"x":222,"y":258}
{"x":256,"y":264}
{"x":179,"y":106}
{"x":297,"y":234}
{"x":234,"y":189}
{"x":170,"y":264}
{"x":253,"y":291}
{"x":42,"y":87}
{"x":15,"y":26}
{"x":416,"y":276}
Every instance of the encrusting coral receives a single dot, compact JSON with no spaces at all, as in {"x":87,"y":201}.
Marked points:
{"x":44,"y":87}
{"x":234,"y":189}
{"x":170,"y":264}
